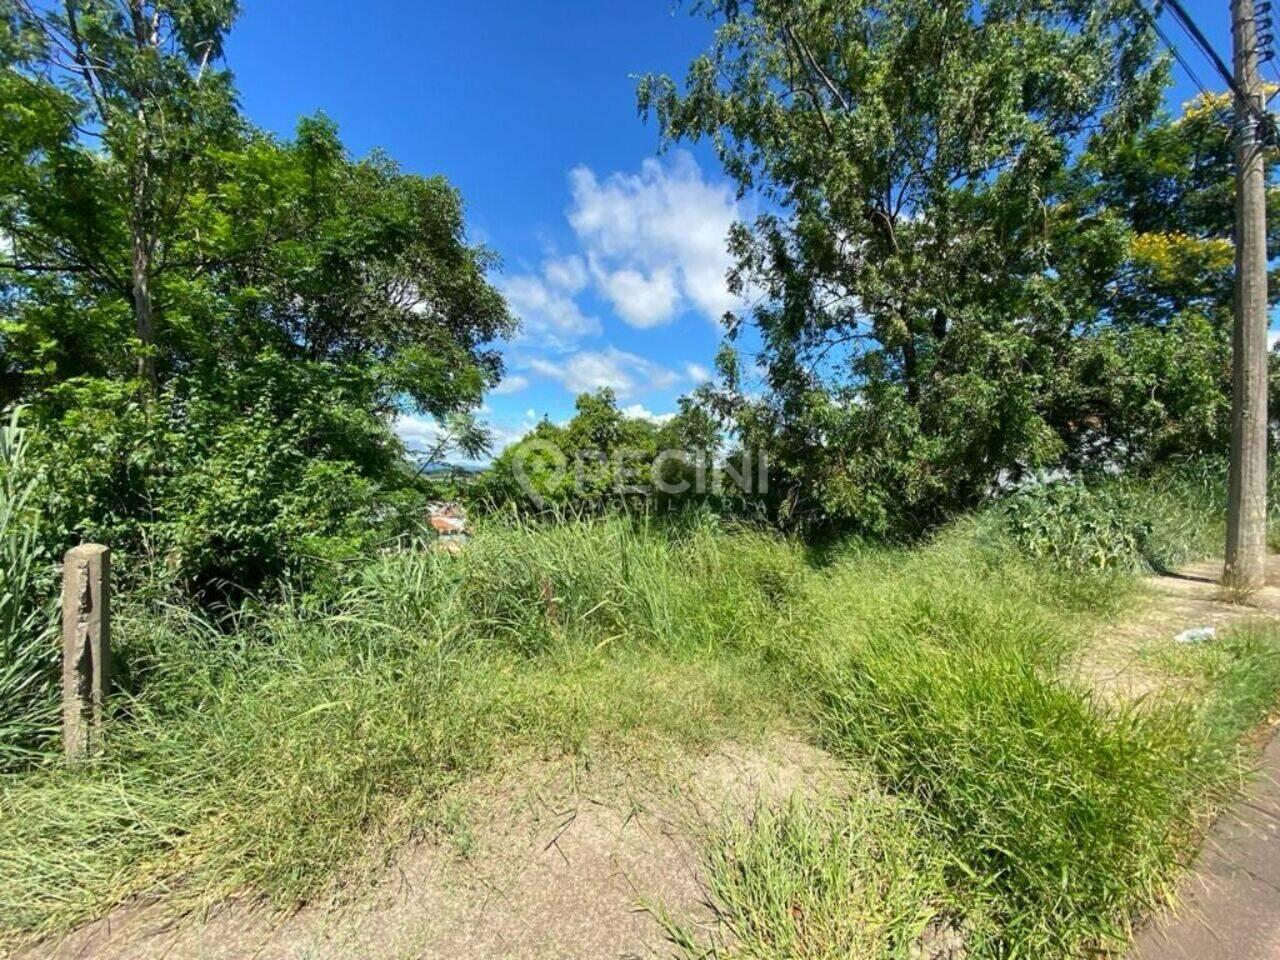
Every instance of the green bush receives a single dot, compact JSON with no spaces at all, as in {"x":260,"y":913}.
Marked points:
{"x":224,"y":490}
{"x":604,"y":459}
{"x":1077,"y":527}
{"x":1122,"y":523}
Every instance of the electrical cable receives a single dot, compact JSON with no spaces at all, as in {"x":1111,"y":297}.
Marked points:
{"x":1266,"y":122}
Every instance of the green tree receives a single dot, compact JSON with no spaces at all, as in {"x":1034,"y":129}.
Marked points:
{"x":289,"y":302}
{"x":135,"y":77}
{"x":911,"y":305}
{"x":601,"y":459}
{"x":1146,"y":376}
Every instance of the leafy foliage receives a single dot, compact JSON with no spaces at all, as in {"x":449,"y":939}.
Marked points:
{"x":982,"y":259}
{"x":296,"y":300}
{"x":1077,"y":527}
{"x":1146,"y":373}
{"x":604,"y":458}
{"x":910,"y":290}
{"x":1120,"y":523}
{"x":999,"y":264}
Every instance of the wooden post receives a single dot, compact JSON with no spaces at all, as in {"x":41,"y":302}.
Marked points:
{"x":1246,"y":565}
{"x":86,"y":646}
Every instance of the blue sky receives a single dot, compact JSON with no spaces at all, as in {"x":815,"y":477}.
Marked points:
{"x":612,"y":255}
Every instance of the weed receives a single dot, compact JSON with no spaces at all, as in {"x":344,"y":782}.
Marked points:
{"x":271,"y":753}
{"x":1121,"y":523}
{"x":827,"y":880}
{"x":28,"y":651}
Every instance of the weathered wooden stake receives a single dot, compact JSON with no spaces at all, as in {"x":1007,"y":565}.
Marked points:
{"x":86,"y":646}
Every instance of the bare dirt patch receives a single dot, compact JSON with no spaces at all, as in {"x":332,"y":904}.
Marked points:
{"x":547,"y":864}
{"x":1118,"y":662}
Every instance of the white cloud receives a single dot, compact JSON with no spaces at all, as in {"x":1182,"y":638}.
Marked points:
{"x":697,"y":373}
{"x":642,"y":301}
{"x":656,"y":240}
{"x":548,"y":315}
{"x":566,"y":273}
{"x":638,"y":411}
{"x":418,"y":433}
{"x":1272,"y":337}
{"x":652,"y":244}
{"x":589,"y":370}
{"x":510,"y":384}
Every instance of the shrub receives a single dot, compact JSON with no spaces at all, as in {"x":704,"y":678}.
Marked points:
{"x":1077,"y":527}
{"x":1122,"y":523}
{"x":226,"y":489}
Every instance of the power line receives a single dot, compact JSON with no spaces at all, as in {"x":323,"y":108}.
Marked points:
{"x":1177,"y":54}
{"x":1263,"y":117}
{"x":1197,"y":36}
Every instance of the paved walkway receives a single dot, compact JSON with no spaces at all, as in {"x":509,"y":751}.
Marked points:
{"x":1229,"y":908}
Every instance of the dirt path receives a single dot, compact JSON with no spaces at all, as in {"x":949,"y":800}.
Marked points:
{"x":1118,"y":664}
{"x":558,"y":868}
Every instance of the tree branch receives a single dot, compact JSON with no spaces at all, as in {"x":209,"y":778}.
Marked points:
{"x":81,"y":56}
{"x":45,"y":267}
{"x":822,"y":75}
{"x":808,"y":87}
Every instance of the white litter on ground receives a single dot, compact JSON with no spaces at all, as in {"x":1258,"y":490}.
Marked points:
{"x":1196,"y":635}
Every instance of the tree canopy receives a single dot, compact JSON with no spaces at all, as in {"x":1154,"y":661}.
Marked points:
{"x":983,"y":253}
{"x":184,"y":297}
{"x":965,"y":240}
{"x":601,"y":457}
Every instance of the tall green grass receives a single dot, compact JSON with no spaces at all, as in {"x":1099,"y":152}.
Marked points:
{"x":275,"y":751}
{"x":1053,"y":820}
{"x":28,"y":652}
{"x":819,"y":879}
{"x":1059,"y":819}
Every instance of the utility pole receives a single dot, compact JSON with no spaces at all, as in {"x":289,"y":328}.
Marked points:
{"x":1246,"y":566}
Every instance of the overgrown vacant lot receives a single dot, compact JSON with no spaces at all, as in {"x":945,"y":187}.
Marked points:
{"x":987,"y":796}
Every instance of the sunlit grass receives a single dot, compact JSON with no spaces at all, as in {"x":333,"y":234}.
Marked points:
{"x":275,"y":755}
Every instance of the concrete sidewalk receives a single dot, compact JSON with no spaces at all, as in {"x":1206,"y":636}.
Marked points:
{"x":1229,"y":907}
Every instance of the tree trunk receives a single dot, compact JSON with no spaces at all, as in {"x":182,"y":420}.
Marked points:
{"x":911,"y":369}
{"x":142,"y":304}
{"x":141,"y":228}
